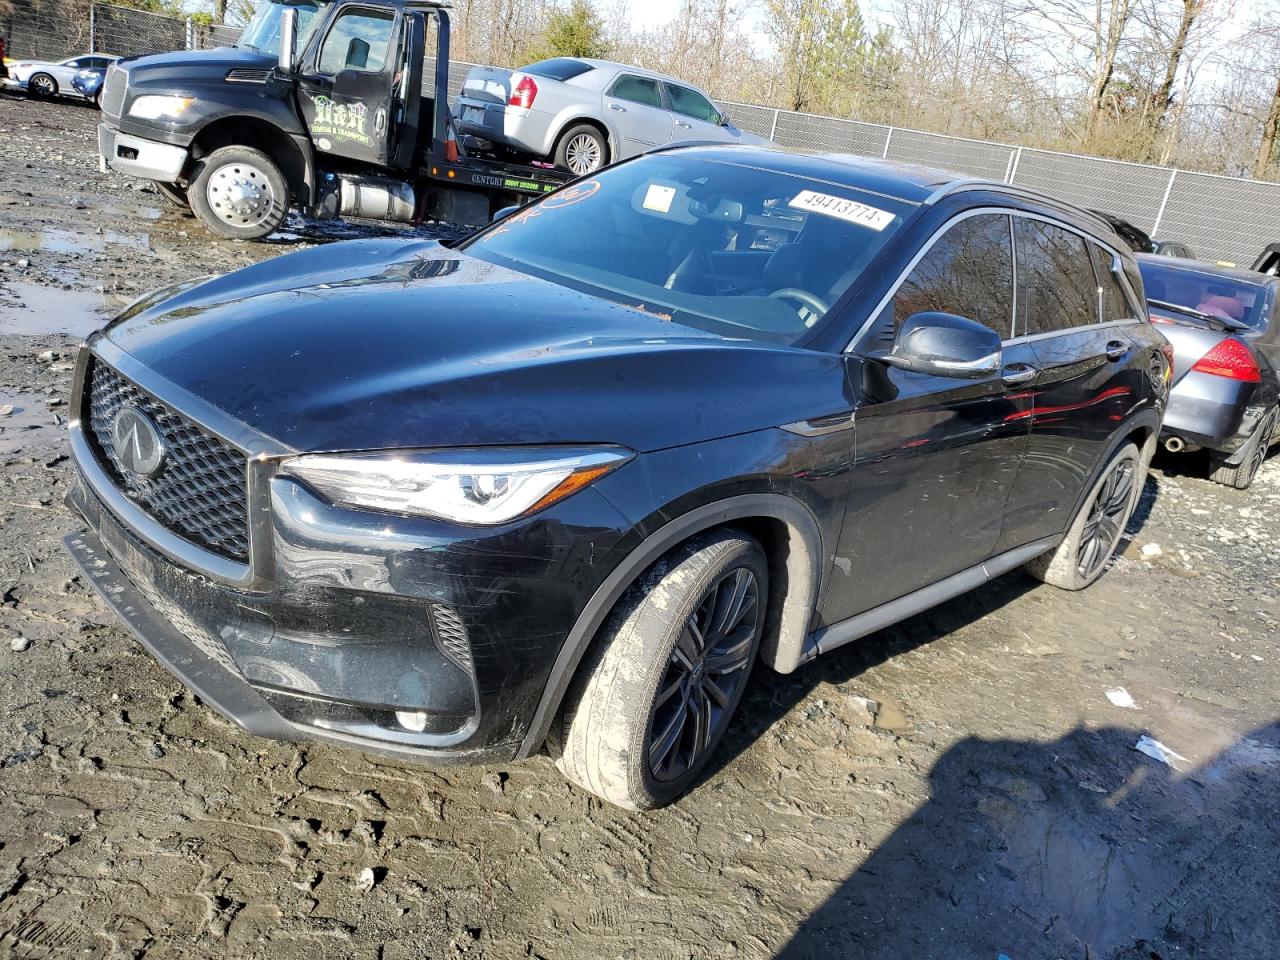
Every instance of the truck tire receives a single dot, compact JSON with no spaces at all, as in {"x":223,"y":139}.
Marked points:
{"x":648,"y":707}
{"x":582,"y":149}
{"x":1097,"y":528}
{"x":1241,"y":475}
{"x":175,"y":196}
{"x":239,"y":193}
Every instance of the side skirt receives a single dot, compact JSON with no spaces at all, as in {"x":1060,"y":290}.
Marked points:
{"x":855,"y":628}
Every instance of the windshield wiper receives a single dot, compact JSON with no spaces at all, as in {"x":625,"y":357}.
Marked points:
{"x":1222,"y":323}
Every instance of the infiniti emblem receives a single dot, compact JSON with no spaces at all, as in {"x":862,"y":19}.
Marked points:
{"x":137,"y":442}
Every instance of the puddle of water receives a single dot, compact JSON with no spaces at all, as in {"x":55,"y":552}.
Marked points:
{"x":31,"y":310}
{"x":30,"y":422}
{"x":65,"y":241}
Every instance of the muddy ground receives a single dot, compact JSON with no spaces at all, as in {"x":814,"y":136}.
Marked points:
{"x":995,"y":805}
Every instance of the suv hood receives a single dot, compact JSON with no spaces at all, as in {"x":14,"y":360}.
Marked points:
{"x":389,"y":343}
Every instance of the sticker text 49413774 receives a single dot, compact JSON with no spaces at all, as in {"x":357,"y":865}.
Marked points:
{"x":842,"y":209}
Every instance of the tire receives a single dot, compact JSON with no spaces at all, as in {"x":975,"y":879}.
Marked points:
{"x":582,"y":149}
{"x":42,"y":85}
{"x":239,"y":193}
{"x":613,"y":721}
{"x":175,"y":196}
{"x":1097,"y":527}
{"x":1241,"y":475}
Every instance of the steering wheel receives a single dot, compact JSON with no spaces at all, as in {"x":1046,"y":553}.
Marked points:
{"x":816,"y":306}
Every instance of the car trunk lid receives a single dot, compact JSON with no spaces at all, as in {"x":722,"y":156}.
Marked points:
{"x":490,"y":84}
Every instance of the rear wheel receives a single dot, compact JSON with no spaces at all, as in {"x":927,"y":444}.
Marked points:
{"x":1241,"y":475}
{"x":240,"y":194}
{"x":1095,"y":532}
{"x":42,"y":85}
{"x":646,"y":712}
{"x":582,"y":149}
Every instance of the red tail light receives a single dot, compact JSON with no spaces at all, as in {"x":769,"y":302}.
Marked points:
{"x":1230,"y":359}
{"x":524,"y":94}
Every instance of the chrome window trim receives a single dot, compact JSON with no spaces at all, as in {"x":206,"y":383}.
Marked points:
{"x":1010,"y":212}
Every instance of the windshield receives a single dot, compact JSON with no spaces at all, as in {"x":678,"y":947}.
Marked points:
{"x":1205,"y":292}
{"x":263,"y":32}
{"x":734,"y":250}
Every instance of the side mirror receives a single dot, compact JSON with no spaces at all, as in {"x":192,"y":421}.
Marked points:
{"x":504,"y":213}
{"x":288,"y":40}
{"x":944,"y":345}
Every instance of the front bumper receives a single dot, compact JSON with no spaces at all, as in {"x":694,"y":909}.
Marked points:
{"x":136,"y":157}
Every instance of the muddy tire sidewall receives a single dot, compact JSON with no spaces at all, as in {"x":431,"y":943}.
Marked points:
{"x":602,"y":743}
{"x":220,"y":161}
{"x":1060,"y":566}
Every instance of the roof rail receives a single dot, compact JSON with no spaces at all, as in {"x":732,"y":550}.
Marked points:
{"x":999,"y":186}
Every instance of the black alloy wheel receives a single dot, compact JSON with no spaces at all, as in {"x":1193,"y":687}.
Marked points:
{"x":708,"y":664}
{"x":1107,"y":518}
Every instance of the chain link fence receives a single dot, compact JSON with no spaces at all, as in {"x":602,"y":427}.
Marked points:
{"x":1222,"y":218}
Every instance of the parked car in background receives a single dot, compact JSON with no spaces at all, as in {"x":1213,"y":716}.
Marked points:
{"x":582,"y":114}
{"x":1222,"y":322}
{"x":1268,"y":261}
{"x":43,"y":78}
{"x":1142,"y":242}
{"x":88,"y":82}
{"x":564,"y":482}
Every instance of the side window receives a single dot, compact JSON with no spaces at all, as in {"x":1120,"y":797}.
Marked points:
{"x":1112,"y":302}
{"x":1059,"y":289}
{"x":638,"y":90}
{"x":77,"y":63}
{"x":359,"y":41}
{"x":968,"y":272}
{"x":690,"y":103}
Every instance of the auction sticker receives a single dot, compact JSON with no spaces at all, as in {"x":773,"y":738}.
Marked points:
{"x":659,"y":198}
{"x":842,"y":209}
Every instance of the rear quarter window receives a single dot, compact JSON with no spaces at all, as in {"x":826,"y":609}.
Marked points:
{"x":558,"y":68}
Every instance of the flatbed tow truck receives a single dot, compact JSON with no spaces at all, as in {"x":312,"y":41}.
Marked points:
{"x":321,"y":107}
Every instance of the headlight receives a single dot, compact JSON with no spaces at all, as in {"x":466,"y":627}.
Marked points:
{"x":156,"y":108}
{"x":480,"y":486}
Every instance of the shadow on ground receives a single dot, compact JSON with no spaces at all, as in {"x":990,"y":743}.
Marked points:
{"x":1075,"y":848}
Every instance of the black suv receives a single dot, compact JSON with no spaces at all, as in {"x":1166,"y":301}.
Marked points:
{"x":561,"y":484}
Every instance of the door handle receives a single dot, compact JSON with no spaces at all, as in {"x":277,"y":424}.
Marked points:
{"x":683,"y":125}
{"x":1016,"y":374}
{"x":618,"y":107}
{"x":380,"y":120}
{"x":1117,"y":350}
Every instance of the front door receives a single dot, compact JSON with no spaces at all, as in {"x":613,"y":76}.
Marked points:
{"x":693,"y":116}
{"x":935,"y":456}
{"x":636,"y":109}
{"x":348,"y":88}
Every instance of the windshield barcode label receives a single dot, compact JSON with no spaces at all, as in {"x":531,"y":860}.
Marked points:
{"x":842,"y":209}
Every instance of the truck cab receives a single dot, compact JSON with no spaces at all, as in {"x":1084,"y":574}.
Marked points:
{"x":332,"y":107}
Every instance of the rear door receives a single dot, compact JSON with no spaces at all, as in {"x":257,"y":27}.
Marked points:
{"x":935,"y":457}
{"x":1092,"y":372}
{"x":348,"y":88}
{"x":637,"y":110}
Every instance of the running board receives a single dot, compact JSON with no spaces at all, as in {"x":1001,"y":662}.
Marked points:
{"x":855,"y":628}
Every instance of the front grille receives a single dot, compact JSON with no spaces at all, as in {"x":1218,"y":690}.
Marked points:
{"x":113,"y":87}
{"x":201,"y":489}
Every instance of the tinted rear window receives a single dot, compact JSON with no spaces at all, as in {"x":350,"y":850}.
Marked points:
{"x":1205,"y":292}
{"x":558,"y":68}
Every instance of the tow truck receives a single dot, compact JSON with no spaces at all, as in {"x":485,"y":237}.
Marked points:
{"x":337,"y":108}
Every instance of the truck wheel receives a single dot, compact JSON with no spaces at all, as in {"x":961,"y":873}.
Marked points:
{"x":174,"y":195}
{"x":582,"y":149}
{"x":42,"y":85}
{"x":1241,"y":475}
{"x":1096,"y":530}
{"x":240,"y":194}
{"x":646,"y":711}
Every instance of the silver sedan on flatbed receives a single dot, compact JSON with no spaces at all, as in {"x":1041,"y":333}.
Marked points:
{"x":582,"y":114}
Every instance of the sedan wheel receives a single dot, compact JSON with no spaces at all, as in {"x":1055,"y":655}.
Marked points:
{"x":42,"y":85}
{"x":582,"y":150}
{"x":1241,"y":475}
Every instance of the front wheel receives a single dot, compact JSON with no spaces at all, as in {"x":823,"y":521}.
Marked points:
{"x":582,"y":149}
{"x":42,"y":85}
{"x":646,"y":711}
{"x":1241,"y":475}
{"x":1096,"y":530}
{"x":240,"y":193}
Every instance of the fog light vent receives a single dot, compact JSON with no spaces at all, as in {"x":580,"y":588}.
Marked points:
{"x":451,"y":636}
